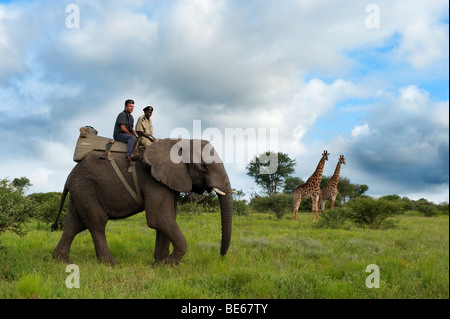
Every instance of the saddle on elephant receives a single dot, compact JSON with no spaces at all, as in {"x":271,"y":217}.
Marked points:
{"x":89,"y":141}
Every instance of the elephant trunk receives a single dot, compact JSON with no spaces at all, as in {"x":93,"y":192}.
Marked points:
{"x":226,"y":209}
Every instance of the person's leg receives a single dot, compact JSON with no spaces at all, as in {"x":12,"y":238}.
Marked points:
{"x":129,"y":140}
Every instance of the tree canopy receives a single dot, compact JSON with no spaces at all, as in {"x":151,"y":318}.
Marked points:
{"x":270,"y":174}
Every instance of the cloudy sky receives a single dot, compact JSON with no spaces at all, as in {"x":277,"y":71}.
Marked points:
{"x":367,"y":79}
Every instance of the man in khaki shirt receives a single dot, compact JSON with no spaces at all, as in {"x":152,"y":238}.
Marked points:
{"x":144,"y":127}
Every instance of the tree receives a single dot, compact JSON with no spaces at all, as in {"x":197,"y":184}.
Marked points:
{"x":15,"y":209}
{"x":360,"y":190}
{"x":292,"y":183}
{"x":271,"y":178}
{"x":21,"y":183}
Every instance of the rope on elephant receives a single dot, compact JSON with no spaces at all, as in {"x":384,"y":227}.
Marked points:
{"x":135,"y":194}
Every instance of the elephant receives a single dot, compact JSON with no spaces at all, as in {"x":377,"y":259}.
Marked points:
{"x":166,"y":168}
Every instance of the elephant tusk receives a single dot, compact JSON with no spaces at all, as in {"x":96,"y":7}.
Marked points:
{"x":233,"y":191}
{"x":218,"y":191}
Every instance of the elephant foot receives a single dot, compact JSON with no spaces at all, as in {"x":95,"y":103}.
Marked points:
{"x":170,"y":261}
{"x":61,"y":258}
{"x":110,"y":261}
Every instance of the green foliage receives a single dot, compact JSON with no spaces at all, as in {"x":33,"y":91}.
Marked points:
{"x":363,"y":211}
{"x":337,"y":218}
{"x":208,"y":201}
{"x":262,"y":170}
{"x":443,"y":208}
{"x":428,"y":210}
{"x":280,"y":204}
{"x":292,"y":183}
{"x":47,"y":205}
{"x":372,"y":212}
{"x":15,"y":208}
{"x":240,"y":207}
{"x":349,"y":190}
{"x":190,"y":209}
{"x":21,"y":183}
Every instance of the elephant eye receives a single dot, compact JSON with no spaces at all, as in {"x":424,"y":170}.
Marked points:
{"x":205,"y":166}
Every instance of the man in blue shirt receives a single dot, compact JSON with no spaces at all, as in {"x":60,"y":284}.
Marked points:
{"x":124,"y":131}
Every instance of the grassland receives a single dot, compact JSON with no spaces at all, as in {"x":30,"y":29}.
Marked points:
{"x":268,"y":258}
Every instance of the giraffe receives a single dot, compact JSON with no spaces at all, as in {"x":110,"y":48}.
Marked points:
{"x":310,"y":189}
{"x":330,"y":191}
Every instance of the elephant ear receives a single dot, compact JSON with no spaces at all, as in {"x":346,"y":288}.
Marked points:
{"x":166,"y":166}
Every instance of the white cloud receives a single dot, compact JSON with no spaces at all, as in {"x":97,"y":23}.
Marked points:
{"x":403,"y":147}
{"x":360,"y":129}
{"x":230,"y":64}
{"x":424,"y":41}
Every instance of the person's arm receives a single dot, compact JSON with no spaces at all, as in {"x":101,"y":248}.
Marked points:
{"x":124,"y":130}
{"x":150,"y":137}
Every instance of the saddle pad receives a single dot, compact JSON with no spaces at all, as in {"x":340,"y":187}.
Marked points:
{"x":87,"y":143}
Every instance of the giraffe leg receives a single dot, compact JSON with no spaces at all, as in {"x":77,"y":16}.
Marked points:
{"x":296,"y":203}
{"x":333,"y":199}
{"x":315,"y":207}
{"x":322,"y":205}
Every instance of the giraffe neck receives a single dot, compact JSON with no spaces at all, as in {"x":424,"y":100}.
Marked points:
{"x":334,"y":180}
{"x":317,"y":175}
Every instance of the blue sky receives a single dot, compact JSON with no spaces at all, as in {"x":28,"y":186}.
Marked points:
{"x":313,"y":70}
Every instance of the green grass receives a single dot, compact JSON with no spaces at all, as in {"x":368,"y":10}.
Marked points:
{"x":268,"y":258}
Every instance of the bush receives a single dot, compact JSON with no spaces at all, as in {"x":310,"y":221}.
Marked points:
{"x":280,"y":204}
{"x":15,"y":209}
{"x":47,"y":205}
{"x":371,"y":212}
{"x":443,"y":208}
{"x":336,"y":218}
{"x":190,"y":209}
{"x":428,"y":210}
{"x":240,"y":207}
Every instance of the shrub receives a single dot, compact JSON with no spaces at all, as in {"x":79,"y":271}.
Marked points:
{"x":240,"y":207}
{"x":47,"y":205}
{"x":336,"y":218}
{"x":428,"y":210}
{"x":279,"y":204}
{"x":443,"y":208}
{"x":15,"y":209}
{"x":190,"y":209}
{"x":371,"y":212}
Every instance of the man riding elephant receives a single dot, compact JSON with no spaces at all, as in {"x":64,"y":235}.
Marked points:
{"x":144,"y":127}
{"x":124,"y":131}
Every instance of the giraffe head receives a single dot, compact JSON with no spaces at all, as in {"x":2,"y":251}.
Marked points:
{"x":341,"y":159}
{"x":325,"y":155}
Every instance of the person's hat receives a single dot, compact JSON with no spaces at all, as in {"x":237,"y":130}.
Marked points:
{"x":148,"y":108}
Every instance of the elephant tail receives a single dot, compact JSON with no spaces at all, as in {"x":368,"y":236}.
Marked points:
{"x":61,"y":205}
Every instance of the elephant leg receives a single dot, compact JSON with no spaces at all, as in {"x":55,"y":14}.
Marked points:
{"x":172,"y":232}
{"x":72,"y":227}
{"x":161,"y":215}
{"x":95,"y":219}
{"x":101,"y":247}
{"x":161,"y":247}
